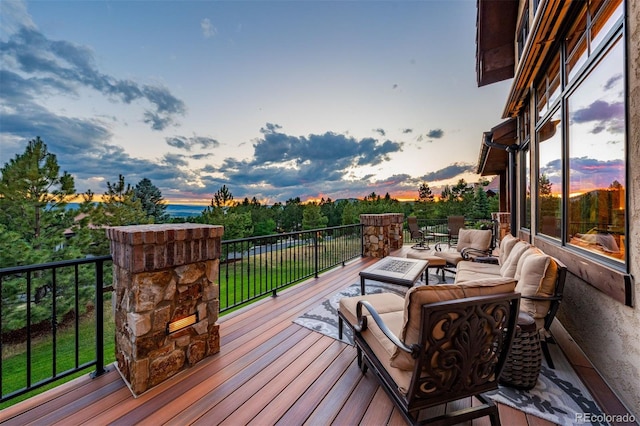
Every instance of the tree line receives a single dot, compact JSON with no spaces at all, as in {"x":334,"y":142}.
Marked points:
{"x":36,"y":226}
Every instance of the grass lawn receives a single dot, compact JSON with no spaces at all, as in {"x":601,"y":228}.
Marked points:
{"x":14,"y":366}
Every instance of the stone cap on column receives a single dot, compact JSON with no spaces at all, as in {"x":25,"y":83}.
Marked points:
{"x":140,"y":248}
{"x":385,"y":219}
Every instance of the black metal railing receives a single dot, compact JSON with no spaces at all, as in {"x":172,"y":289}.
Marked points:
{"x":38,"y":301}
{"x":252,"y":268}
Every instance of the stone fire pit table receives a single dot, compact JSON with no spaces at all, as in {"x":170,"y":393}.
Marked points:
{"x":394,"y":270}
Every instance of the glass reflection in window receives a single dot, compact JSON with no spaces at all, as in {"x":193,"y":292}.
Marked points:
{"x":549,"y":185}
{"x":596,"y":112}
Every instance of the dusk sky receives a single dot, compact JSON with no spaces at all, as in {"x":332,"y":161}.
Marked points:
{"x":274,"y":99}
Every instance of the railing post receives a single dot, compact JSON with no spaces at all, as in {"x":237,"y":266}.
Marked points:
{"x":316,"y":254}
{"x":100,"y":370}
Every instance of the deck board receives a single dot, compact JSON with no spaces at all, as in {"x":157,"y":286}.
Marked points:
{"x":268,"y":371}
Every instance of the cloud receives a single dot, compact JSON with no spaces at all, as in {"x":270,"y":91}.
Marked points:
{"x":448,"y":172}
{"x":208,"y":30}
{"x":435,"y":133}
{"x":613,"y":81}
{"x":62,"y":68}
{"x":285,"y":166}
{"x":381,"y":132}
{"x":590,"y":173}
{"x":604,"y":115}
{"x":187,"y":143}
{"x":395,"y":86}
{"x":406,"y":131}
{"x":14,"y":16}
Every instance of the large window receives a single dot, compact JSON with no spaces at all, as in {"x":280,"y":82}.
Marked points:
{"x":581,"y":135}
{"x":549,"y":185}
{"x":596,"y":136}
{"x":525,"y":156}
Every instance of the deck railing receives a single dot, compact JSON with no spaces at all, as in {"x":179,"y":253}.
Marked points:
{"x":38,"y":301}
{"x":251,"y":268}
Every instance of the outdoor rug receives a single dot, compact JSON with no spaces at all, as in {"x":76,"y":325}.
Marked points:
{"x":559,"y":395}
{"x":323,"y":318}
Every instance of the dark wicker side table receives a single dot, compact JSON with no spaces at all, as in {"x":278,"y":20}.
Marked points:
{"x":525,"y":357}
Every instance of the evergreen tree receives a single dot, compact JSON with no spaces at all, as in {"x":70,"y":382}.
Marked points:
{"x":480,"y":209}
{"x":119,"y":207}
{"x":33,"y":196}
{"x":312,"y":217}
{"x":222,"y":198}
{"x":151,"y":199}
{"x":350,"y":214}
{"x":292,"y":215}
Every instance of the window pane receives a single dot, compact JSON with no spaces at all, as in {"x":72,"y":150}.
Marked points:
{"x":549,"y":138}
{"x":527,"y":189}
{"x":554,"y":80}
{"x":576,"y":44}
{"x":596,"y":112}
{"x":541,"y":99}
{"x":604,"y":20}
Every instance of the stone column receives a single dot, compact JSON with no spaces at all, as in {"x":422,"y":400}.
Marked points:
{"x":164,"y":273}
{"x":381,"y":233}
{"x":504,"y":223}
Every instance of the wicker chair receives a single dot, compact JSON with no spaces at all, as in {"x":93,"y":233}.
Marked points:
{"x":449,"y":343}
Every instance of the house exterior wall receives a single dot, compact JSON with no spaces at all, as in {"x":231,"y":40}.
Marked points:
{"x":606,"y":330}
{"x":599,"y":309}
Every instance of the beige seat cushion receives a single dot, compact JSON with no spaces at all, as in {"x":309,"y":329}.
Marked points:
{"x":537,"y":278}
{"x":391,"y":309}
{"x":451,"y":257}
{"x":434,"y":261}
{"x":382,"y":302}
{"x":506,"y":245}
{"x":418,"y":296}
{"x":384,"y":349}
{"x":471,"y":275}
{"x":508,"y":267}
{"x":469,"y":271}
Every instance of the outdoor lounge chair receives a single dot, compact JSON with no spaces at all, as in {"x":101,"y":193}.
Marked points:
{"x":417,"y":234}
{"x":454,"y":225}
{"x":436,"y":345}
{"x":472,"y":243}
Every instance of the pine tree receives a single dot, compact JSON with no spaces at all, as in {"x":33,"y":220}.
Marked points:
{"x":33,"y":196}
{"x":151,"y":199}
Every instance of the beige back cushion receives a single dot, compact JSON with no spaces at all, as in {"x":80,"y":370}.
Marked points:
{"x":418,"y":296}
{"x":537,"y":278}
{"x":479,"y":239}
{"x":508,"y":267}
{"x":529,"y":252}
{"x":507,"y":243}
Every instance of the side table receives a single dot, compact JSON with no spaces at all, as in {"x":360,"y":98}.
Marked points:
{"x":522,"y":368}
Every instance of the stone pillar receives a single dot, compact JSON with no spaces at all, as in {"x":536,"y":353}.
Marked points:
{"x":381,"y":233}
{"x":164,"y":273}
{"x":504,"y":223}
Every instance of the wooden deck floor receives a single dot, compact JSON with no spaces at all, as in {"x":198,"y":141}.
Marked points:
{"x":269,"y":371}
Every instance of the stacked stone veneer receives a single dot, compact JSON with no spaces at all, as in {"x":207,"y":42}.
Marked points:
{"x":163,"y":273}
{"x":504,"y":223}
{"x":382,"y":233}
